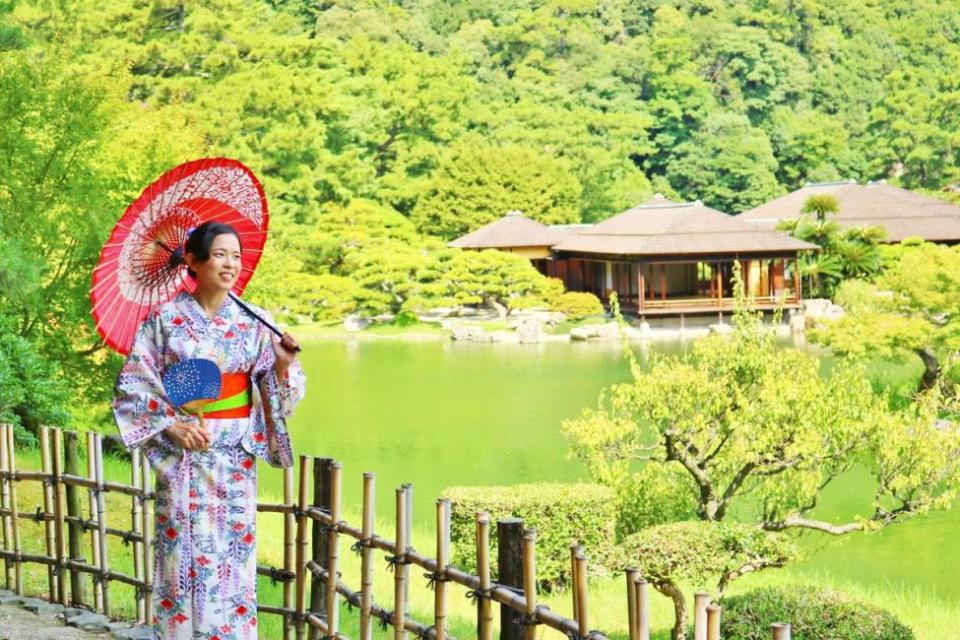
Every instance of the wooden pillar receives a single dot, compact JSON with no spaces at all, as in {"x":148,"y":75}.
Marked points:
{"x":5,"y":518}
{"x":510,"y":570}
{"x":320,"y":542}
{"x":663,"y":282}
{"x":719,"y":284}
{"x":78,"y":596}
{"x":641,"y":287}
{"x":797,"y":280}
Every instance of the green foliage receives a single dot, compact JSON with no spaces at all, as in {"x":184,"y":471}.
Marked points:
{"x":912,"y":308}
{"x":30,"y":394}
{"x":748,"y":440}
{"x":813,"y":613}
{"x":560,"y":513}
{"x":696,"y":552}
{"x":475,"y":185}
{"x":577,"y":305}
{"x":728,"y":164}
{"x":844,"y":253}
{"x":502,"y":280}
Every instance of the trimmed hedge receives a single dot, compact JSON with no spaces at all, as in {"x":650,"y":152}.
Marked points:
{"x":560,"y":513}
{"x":813,"y":613}
{"x":577,"y":305}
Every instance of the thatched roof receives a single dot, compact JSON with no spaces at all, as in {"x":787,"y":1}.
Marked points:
{"x":512,"y":230}
{"x":901,"y":212}
{"x":661,"y":227}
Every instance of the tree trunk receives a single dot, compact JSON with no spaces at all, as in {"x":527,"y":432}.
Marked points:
{"x":931,"y":369}
{"x":673,"y":592}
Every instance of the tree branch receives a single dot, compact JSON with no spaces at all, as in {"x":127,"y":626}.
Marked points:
{"x":795,"y":522}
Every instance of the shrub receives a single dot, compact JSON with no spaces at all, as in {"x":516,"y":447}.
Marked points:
{"x":813,"y":613}
{"x":560,"y":513}
{"x":701,"y":551}
{"x":577,"y":305}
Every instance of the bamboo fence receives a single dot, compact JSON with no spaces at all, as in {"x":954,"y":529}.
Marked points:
{"x":313,"y":531}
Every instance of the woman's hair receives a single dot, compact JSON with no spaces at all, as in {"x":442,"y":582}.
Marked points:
{"x":201,"y":239}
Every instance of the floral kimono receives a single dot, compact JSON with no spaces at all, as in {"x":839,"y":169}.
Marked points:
{"x":206,"y":561}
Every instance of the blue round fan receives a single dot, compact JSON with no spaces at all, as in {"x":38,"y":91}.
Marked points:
{"x":192,"y":383}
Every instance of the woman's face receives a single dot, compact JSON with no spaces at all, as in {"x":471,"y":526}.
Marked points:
{"x":221,"y":270}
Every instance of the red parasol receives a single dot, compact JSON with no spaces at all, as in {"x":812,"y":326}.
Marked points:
{"x":141,"y":266}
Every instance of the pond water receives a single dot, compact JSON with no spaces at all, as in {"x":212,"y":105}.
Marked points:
{"x":437,"y":414}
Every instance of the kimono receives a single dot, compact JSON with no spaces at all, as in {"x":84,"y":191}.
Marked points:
{"x":206,"y":560}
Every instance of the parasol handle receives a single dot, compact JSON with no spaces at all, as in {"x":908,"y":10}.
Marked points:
{"x":243,"y":306}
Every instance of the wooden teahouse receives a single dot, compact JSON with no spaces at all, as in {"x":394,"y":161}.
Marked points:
{"x":661,"y":257}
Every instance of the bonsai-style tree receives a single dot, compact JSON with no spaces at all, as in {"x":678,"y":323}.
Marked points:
{"x":744,"y":433}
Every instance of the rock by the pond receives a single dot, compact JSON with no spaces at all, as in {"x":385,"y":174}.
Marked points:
{"x":504,"y":336}
{"x":607,"y":331}
{"x":529,"y":331}
{"x":721,"y":329}
{"x":355,"y":323}
{"x":544,"y":316}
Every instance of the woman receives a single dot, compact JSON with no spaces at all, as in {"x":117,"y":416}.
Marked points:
{"x":206,"y":561}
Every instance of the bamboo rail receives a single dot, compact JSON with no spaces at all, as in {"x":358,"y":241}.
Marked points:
{"x":305,"y":563}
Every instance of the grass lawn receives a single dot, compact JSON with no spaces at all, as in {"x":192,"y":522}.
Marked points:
{"x":931,"y":619}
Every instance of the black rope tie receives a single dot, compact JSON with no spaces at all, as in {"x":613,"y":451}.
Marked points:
{"x":334,"y":526}
{"x":474,"y":595}
{"x":530,"y":620}
{"x":434,"y":577}
{"x":358,"y":546}
{"x":424,"y":633}
{"x":393,"y":561}
{"x":127,"y":537}
{"x":353,"y":601}
{"x":39,"y":515}
{"x":385,"y":618}
{"x":280,"y":575}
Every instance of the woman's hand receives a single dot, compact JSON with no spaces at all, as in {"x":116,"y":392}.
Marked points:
{"x":189,"y":435}
{"x":285,"y":350}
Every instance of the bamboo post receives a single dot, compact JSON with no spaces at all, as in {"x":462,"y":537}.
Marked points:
{"x":333,"y":555}
{"x":320,"y":542}
{"x":573,"y":578}
{"x":632,"y":626}
{"x":50,"y":536}
{"x":94,"y":532}
{"x":443,"y":559}
{"x":366,"y":559}
{"x":583,"y":618}
{"x":399,"y":575}
{"x":78,"y":597}
{"x":713,"y":622}
{"x":701,"y":600}
{"x":408,"y":515}
{"x":102,"y":521}
{"x":780,"y":630}
{"x":484,"y":604}
{"x":302,"y":572}
{"x":289,"y":526}
{"x":58,"y":521}
{"x":5,"y":519}
{"x":643,"y":609}
{"x":146,"y":485}
{"x":530,"y":582}
{"x":510,"y":572}
{"x":14,"y":512}
{"x":136,"y":520}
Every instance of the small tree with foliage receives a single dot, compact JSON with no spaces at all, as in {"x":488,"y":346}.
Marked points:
{"x":844,"y":253}
{"x":497,"y":279}
{"x":912,"y":308}
{"x":749,"y":440}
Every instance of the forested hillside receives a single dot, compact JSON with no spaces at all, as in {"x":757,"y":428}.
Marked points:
{"x":382,"y":129}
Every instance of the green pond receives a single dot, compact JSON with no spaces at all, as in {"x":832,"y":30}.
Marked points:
{"x":438,"y":414}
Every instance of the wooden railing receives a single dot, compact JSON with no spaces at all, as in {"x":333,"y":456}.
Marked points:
{"x":313,"y":528}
